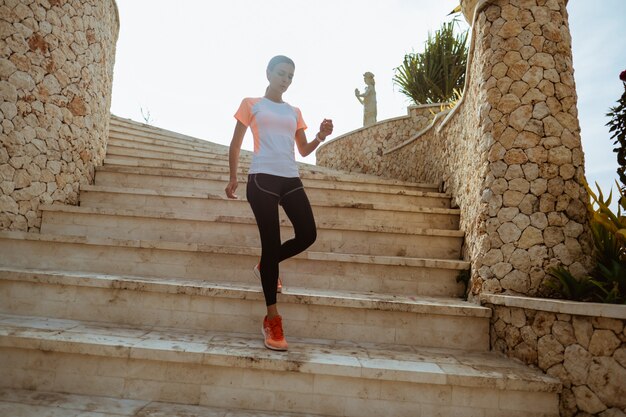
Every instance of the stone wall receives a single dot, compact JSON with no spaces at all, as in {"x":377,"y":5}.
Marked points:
{"x":56,"y":72}
{"x":582,"y":344}
{"x":361,"y":150}
{"x":509,"y":153}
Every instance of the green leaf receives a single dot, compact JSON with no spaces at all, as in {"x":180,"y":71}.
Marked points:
{"x":433,"y":75}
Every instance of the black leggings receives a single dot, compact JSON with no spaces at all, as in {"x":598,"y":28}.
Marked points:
{"x":265,"y":193}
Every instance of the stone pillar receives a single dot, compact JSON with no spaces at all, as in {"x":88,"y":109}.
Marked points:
{"x":535,"y":205}
{"x":56,"y":70}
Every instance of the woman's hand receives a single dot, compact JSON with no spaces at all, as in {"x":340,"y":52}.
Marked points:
{"x":231,"y":188}
{"x":326,"y":129}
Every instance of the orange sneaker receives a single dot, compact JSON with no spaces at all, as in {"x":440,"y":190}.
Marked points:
{"x":273,"y":333}
{"x":257,"y":273}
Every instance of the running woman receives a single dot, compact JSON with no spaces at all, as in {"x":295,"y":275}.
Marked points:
{"x":274,"y":180}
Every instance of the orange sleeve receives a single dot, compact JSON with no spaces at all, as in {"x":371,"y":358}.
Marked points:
{"x":244,"y":113}
{"x":300,"y":123}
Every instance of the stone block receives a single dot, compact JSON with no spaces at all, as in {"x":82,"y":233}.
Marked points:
{"x":542,"y":323}
{"x":606,"y":380}
{"x":607,"y":323}
{"x":564,"y":332}
{"x":603,"y":343}
{"x":587,"y":401}
{"x":530,"y":237}
{"x":577,"y":361}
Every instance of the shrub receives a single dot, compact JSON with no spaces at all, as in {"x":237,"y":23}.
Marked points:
{"x":432,"y":76}
{"x":606,"y":282}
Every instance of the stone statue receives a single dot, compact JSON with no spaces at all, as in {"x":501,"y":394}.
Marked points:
{"x":368,"y":99}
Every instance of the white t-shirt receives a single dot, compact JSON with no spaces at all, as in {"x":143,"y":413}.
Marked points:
{"x":274,"y":126}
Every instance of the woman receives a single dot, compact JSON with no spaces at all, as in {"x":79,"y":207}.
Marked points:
{"x":273,"y":180}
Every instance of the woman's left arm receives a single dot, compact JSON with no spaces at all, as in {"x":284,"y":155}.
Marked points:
{"x":305,"y":147}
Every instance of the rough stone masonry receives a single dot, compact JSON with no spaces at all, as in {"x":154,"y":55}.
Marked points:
{"x":56,"y":72}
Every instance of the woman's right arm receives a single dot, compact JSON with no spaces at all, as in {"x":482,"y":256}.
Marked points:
{"x":233,"y":158}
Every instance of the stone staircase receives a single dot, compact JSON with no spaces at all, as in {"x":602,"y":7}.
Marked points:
{"x":144,"y":296}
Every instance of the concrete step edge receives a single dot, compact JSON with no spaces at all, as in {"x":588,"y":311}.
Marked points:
{"x":116,"y":121}
{"x":399,"y":208}
{"x":48,"y":403}
{"x":334,"y":183}
{"x":189,"y":194}
{"x":346,"y":299}
{"x":435,"y":366}
{"x":305,"y":169}
{"x":142,"y":213}
{"x":128,"y":143}
{"x":180,"y":138}
{"x":130,"y":149}
{"x":133,"y":141}
{"x":239,"y":250}
{"x":216,"y":149}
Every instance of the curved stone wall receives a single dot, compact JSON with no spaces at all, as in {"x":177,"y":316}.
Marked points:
{"x":361,"y":150}
{"x":510,"y":152}
{"x":56,"y":72}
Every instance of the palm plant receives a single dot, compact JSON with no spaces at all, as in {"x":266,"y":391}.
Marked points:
{"x":433,"y":75}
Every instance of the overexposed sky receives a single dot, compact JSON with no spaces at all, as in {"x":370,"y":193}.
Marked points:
{"x":189,"y":63}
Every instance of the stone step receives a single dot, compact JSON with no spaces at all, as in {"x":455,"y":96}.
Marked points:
{"x":231,"y":264}
{"x":234,"y":370}
{"x":322,"y":203}
{"x":26,"y":403}
{"x":131,"y":151}
{"x":190,"y":205}
{"x":318,"y":191}
{"x":202,"y":170}
{"x":305,"y":171}
{"x":164,"y":159}
{"x":134,"y":133}
{"x":132,"y":141}
{"x":118,"y":147}
{"x":218,"y":160}
{"x":165,"y":177}
{"x":170,"y":155}
{"x":128,"y":145}
{"x":205,"y":305}
{"x":164,"y":136}
{"x":171,"y":140}
{"x":435,"y":222}
{"x":243,"y":231}
{"x":113,"y":159}
{"x":323,"y":270}
{"x":167,"y":137}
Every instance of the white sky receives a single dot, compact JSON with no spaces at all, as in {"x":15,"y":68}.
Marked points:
{"x":190,"y":64}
